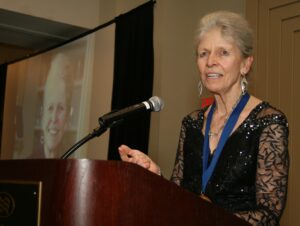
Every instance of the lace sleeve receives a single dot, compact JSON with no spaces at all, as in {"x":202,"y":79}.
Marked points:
{"x":177,"y":174}
{"x":272,"y":177}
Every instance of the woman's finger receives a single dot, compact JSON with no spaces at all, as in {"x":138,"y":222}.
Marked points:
{"x":124,"y":152}
{"x":134,"y":156}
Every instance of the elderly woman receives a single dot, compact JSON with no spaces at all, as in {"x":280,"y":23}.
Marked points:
{"x":235,"y":151}
{"x":56,"y":106}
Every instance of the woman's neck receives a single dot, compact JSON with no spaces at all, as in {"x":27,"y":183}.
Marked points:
{"x":226,"y":102}
{"x":49,"y":153}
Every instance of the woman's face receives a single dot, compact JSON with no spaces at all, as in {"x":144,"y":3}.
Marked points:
{"x":220,"y":63}
{"x":54,"y":115}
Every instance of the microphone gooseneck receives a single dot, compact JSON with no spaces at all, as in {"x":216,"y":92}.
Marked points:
{"x":114,"y":118}
{"x":153,"y":104}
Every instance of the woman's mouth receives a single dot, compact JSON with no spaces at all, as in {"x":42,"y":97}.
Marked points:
{"x":214,"y":75}
{"x":53,"y":131}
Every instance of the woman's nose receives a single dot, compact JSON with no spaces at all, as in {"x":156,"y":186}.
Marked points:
{"x":211,"y":60}
{"x":54,"y":115}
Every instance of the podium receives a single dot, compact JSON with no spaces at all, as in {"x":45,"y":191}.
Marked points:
{"x":110,"y":193}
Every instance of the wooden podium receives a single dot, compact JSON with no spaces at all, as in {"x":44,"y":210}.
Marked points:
{"x":109,"y":193}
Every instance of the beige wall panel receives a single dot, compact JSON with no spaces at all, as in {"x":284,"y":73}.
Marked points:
{"x":277,"y":77}
{"x":289,"y":103}
{"x":295,"y":130}
{"x":273,"y":56}
{"x":252,"y":15}
{"x":262,"y":60}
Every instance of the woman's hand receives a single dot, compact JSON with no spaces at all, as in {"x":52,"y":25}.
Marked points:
{"x":135,"y":156}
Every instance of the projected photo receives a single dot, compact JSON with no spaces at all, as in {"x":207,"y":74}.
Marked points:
{"x":48,"y":97}
{"x":55,"y":109}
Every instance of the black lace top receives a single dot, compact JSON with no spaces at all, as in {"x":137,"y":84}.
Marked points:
{"x":250,"y":178}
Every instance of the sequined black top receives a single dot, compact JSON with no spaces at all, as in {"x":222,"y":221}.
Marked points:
{"x":250,"y":178}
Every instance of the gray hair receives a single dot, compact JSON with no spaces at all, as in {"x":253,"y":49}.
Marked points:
{"x":232,"y":25}
{"x":60,"y":71}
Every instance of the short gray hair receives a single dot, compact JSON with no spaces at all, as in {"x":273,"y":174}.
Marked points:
{"x":232,"y":25}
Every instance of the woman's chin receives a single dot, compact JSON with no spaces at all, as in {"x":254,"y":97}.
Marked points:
{"x":51,"y":147}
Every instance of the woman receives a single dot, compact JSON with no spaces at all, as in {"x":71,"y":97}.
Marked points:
{"x":234,"y":152}
{"x":56,"y":106}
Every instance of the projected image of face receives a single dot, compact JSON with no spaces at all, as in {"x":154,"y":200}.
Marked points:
{"x":56,"y":106}
{"x":54,"y":118}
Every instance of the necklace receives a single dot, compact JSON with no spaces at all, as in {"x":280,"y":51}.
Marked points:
{"x":213,"y":134}
{"x":208,"y":168}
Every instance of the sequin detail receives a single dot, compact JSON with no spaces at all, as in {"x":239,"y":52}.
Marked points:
{"x":250,"y":178}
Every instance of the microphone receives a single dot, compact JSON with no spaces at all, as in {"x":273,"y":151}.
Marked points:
{"x":153,"y":104}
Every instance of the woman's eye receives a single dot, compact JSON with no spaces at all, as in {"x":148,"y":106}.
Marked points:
{"x":50,"y":108}
{"x":224,"y":52}
{"x":61,"y":108}
{"x":202,"y":54}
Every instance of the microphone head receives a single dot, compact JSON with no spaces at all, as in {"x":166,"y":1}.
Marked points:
{"x":157,"y":103}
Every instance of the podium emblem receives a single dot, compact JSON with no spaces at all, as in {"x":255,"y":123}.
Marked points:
{"x":7,"y":204}
{"x":20,"y":202}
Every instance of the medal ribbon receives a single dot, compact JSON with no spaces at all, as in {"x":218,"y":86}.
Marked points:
{"x":208,"y":170}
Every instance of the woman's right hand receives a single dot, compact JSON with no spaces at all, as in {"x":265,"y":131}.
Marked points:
{"x":135,"y":156}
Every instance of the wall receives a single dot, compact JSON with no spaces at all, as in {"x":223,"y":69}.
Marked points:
{"x":176,"y":75}
{"x":175,"y":78}
{"x":76,"y":12}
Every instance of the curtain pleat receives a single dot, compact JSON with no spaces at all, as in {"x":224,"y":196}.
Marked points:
{"x":133,"y":77}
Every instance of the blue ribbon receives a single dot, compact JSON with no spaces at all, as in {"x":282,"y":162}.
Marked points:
{"x":208,"y":170}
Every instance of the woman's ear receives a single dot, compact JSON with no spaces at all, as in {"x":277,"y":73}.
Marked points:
{"x":246,"y":66}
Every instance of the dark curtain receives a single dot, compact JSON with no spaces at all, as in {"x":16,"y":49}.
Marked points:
{"x":3,"y":69}
{"x":133,"y":77}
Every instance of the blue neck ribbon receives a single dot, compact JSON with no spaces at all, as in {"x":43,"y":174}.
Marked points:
{"x":207,"y":170}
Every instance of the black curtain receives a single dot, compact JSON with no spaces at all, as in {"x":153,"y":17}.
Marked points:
{"x":133,"y":77}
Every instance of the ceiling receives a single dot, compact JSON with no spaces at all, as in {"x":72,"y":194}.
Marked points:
{"x":22,"y":35}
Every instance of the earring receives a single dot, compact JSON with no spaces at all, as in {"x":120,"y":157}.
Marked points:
{"x":200,"y":88}
{"x":244,"y":84}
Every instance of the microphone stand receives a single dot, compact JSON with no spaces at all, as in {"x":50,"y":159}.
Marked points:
{"x":96,"y":133}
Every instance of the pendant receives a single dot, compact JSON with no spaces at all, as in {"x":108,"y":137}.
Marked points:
{"x":204,"y":197}
{"x":211,"y":134}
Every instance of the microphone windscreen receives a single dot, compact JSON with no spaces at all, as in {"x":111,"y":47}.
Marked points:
{"x":157,"y":103}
